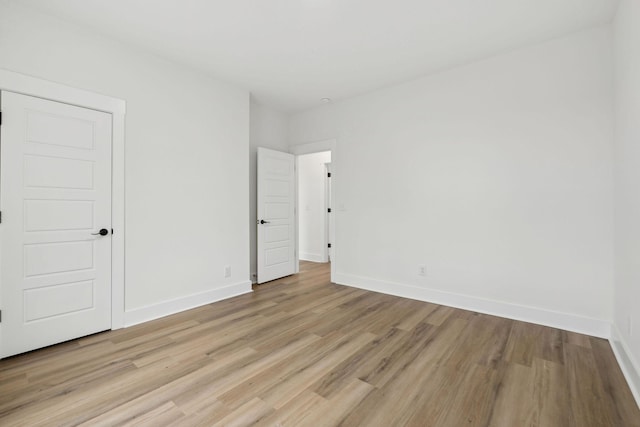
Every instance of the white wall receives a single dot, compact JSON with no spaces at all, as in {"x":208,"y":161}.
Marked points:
{"x":187,"y":142}
{"x":311,"y":205}
{"x":627,"y":185}
{"x":497,"y":176}
{"x":268,"y":130}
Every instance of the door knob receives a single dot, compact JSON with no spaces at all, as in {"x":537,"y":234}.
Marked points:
{"x":262,"y":221}
{"x":102,"y":232}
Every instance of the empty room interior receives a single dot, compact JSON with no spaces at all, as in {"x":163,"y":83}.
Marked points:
{"x":320,"y":213}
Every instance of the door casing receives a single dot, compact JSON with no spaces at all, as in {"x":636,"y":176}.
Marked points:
{"x":27,"y":85}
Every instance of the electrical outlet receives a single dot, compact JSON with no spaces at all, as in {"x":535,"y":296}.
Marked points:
{"x":227,"y":271}
{"x":422,"y":270}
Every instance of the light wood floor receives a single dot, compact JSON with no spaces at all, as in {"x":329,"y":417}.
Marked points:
{"x":304,"y":352}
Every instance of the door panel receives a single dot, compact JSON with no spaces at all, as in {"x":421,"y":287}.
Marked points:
{"x":276,"y":201}
{"x":55,"y":191}
{"x":68,"y":173}
{"x":59,"y":299}
{"x":51,"y":215}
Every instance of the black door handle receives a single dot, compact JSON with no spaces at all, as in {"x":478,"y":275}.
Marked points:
{"x":102,"y":232}
{"x":262,"y":221}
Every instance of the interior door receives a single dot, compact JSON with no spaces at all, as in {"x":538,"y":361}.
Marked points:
{"x":276,"y":215}
{"x":55,"y":197}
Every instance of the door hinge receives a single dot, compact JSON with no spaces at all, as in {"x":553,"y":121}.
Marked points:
{"x":0,"y":217}
{"x":329,"y":245}
{"x":329,"y":210}
{"x":328,"y":174}
{"x":0,"y":118}
{"x":0,"y":316}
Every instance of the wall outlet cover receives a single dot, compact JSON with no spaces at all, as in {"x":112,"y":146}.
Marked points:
{"x":422,"y":270}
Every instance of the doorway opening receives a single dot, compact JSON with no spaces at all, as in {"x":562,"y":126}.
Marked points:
{"x":314,"y":206}
{"x":300,"y":150}
{"x":278,"y":245}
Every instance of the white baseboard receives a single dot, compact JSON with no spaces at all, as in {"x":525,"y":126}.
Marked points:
{"x":165,"y":308}
{"x":570,"y":322}
{"x":306,"y":256}
{"x":629,"y":365}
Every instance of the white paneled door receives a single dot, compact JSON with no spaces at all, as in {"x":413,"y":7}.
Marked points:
{"x":276,"y":215}
{"x":55,"y":198}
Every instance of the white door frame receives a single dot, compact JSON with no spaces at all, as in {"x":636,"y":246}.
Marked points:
{"x":32,"y":86}
{"x":309,"y":148}
{"x":327,"y":215}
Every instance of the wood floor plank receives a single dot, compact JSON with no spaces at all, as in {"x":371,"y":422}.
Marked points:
{"x":618,"y":397}
{"x":470,"y":400}
{"x":138,"y":411}
{"x":302,"y":351}
{"x":243,"y":375}
{"x":286,"y":367}
{"x":408,"y":378}
{"x":295,"y":411}
{"x":249,"y":413}
{"x":359,"y":364}
{"x":528,"y":341}
{"x":587,"y":403}
{"x":207,"y":414}
{"x":417,"y":313}
{"x":286,"y":390}
{"x":532,"y":396}
{"x":39,"y":396}
{"x":335,"y":410}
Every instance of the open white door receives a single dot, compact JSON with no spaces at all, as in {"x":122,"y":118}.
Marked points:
{"x":55,"y":195}
{"x":276,"y":215}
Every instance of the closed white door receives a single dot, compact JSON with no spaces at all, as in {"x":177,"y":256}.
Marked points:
{"x":276,"y":215}
{"x":55,"y":198}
